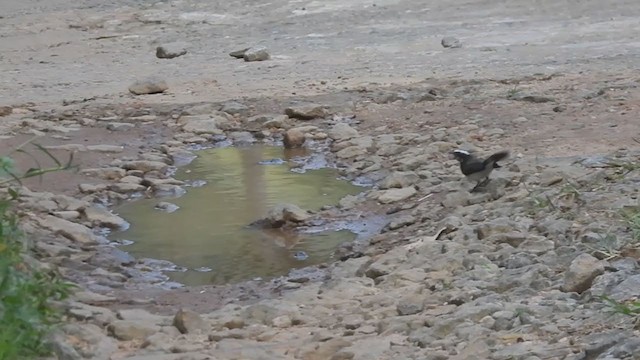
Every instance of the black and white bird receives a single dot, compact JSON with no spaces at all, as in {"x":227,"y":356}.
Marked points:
{"x":478,"y":170}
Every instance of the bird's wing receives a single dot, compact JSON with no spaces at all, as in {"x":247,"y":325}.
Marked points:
{"x":471,"y":167}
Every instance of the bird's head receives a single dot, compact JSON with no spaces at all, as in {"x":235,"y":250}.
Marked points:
{"x":461,"y":155}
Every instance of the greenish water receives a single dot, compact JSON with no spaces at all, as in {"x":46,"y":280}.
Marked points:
{"x":208,"y":236}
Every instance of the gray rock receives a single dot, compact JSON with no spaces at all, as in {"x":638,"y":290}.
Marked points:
{"x":395,"y":195}
{"x":410,"y":305}
{"x":283,"y":213}
{"x":145,"y":165}
{"x":342,"y":131}
{"x":119,"y":126}
{"x":234,"y":107}
{"x":531,"y":98}
{"x":92,"y":188}
{"x":104,"y":148}
{"x":150,"y":85}
{"x":108,"y":173}
{"x":278,"y":122}
{"x":204,"y":124}
{"x":131,"y":330}
{"x":401,"y":221}
{"x":238,"y":54}
{"x":90,"y":341}
{"x":166,"y":207}
{"x":583,"y":269}
{"x":306,"y":112}
{"x":179,"y":356}
{"x":125,"y":188}
{"x":188,"y":321}
{"x":171,"y":50}
{"x":72,"y":231}
{"x":104,"y":218}
{"x":256,"y":53}
{"x":456,"y":199}
{"x":628,"y":289}
{"x":351,"y":151}
{"x":294,"y":138}
{"x":450,"y":42}
{"x":399,"y":179}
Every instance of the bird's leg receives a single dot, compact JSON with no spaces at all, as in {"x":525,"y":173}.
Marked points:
{"x":476,"y":187}
{"x":480,"y":184}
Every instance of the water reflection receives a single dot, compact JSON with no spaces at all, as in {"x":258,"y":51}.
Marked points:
{"x":209,"y":230}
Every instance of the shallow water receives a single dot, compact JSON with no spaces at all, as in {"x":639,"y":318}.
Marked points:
{"x":208,"y":235}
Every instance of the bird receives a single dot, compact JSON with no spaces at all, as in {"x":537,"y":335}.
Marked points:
{"x":478,"y":170}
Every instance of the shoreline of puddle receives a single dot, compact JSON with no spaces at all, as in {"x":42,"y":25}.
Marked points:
{"x":362,"y":227}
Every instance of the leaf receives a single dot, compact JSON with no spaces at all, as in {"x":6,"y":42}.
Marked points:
{"x":13,"y":193}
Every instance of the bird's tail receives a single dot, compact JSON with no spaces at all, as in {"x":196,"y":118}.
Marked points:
{"x":493,"y":159}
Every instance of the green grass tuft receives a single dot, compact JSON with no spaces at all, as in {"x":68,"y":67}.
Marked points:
{"x":27,"y":312}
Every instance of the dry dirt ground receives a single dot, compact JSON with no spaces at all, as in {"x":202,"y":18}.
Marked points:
{"x":576,"y":60}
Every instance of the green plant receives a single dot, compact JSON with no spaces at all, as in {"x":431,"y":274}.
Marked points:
{"x":27,"y":313}
{"x":632,"y":218}
{"x":631,"y":308}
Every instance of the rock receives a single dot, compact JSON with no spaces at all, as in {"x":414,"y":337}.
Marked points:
{"x":282,"y":322}
{"x":92,"y":298}
{"x":72,"y":231}
{"x":283,"y":213}
{"x":305,"y":112}
{"x":410,"y":305}
{"x":171,"y":50}
{"x":188,"y":321}
{"x":450,"y":42}
{"x":351,"y":151}
{"x":256,"y":53}
{"x":394,"y":195}
{"x":88,"y":313}
{"x":119,"y":126}
{"x":560,"y":108}
{"x":538,"y":99}
{"x":103,"y":148}
{"x":88,"y":340}
{"x":145,"y":165}
{"x":131,"y":330}
{"x":628,"y":289}
{"x":108,"y":173}
{"x":234,"y":108}
{"x":456,"y":199}
{"x":238,"y":54}
{"x":5,"y":110}
{"x":325,"y":350}
{"x":241,"y":137}
{"x":92,"y":188}
{"x":130,"y":179}
{"x":583,"y":269}
{"x":166,"y":207}
{"x":401,"y":221}
{"x":125,"y":188}
{"x":204,"y":124}
{"x":342,"y":131}
{"x":399,"y":179}
{"x":150,"y":85}
{"x":104,"y":218}
{"x":278,"y":122}
{"x":294,"y":138}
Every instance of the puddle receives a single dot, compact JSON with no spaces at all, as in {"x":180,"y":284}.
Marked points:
{"x":207,"y":237}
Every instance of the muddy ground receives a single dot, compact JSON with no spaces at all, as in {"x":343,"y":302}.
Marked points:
{"x":545,"y":79}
